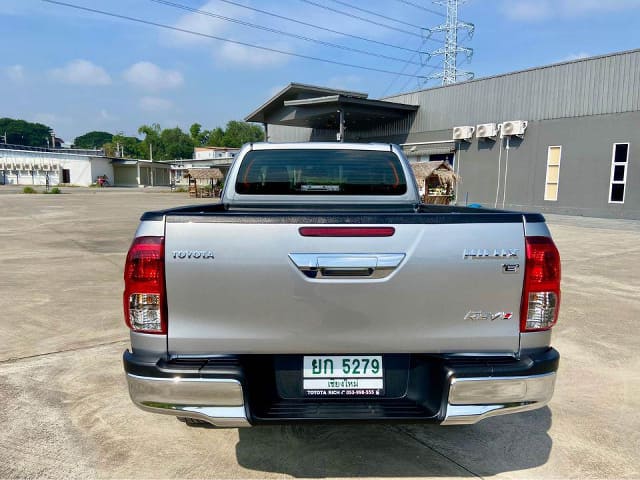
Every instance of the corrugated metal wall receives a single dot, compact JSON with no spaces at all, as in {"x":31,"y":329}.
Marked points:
{"x":602,"y":85}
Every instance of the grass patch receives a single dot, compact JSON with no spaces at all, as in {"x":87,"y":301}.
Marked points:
{"x":29,"y":190}
{"x":54,"y":191}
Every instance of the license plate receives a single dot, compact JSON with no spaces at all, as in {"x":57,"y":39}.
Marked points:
{"x":352,"y":375}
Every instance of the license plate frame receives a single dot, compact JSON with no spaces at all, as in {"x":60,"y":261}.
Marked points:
{"x":342,"y":376}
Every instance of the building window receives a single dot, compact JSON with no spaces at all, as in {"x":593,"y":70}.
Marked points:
{"x":619,"y":161}
{"x":553,"y":173}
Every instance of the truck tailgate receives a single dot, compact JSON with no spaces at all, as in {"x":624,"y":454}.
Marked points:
{"x":244,"y":287}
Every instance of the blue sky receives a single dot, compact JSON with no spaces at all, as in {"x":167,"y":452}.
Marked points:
{"x":78,"y":71}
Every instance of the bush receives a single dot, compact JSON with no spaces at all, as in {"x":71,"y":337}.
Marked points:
{"x":29,"y":190}
{"x":181,"y":190}
{"x":55,"y":191}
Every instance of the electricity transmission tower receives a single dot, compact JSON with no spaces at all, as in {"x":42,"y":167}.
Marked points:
{"x":450,"y":73}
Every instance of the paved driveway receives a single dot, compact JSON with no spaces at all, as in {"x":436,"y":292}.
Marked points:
{"x":65,"y":412}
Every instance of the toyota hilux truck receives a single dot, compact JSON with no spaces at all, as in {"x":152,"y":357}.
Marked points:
{"x":321,"y":289}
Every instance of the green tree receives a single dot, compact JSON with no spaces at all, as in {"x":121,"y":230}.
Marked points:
{"x":93,"y":139}
{"x":20,"y":132}
{"x":235,"y":134}
{"x":175,"y":144}
{"x":151,"y":141}
{"x":130,"y":147}
{"x":216,"y":137}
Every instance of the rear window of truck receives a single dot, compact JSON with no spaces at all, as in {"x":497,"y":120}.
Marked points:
{"x":320,"y":172}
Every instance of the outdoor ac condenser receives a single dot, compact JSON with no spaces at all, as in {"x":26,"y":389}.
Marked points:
{"x":463,"y":132}
{"x":487,"y":130}
{"x":513,"y":127}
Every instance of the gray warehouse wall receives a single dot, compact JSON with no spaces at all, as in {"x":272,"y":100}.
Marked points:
{"x":585,"y":167}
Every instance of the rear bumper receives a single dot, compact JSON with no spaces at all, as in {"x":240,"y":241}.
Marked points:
{"x":462,"y":390}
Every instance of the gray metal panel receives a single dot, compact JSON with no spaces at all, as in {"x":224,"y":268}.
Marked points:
{"x":594,"y":86}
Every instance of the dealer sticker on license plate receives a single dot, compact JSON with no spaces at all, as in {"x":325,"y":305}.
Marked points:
{"x":353,"y":375}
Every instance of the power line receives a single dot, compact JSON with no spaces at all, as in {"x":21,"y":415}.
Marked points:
{"x":214,"y":37}
{"x":279,"y":32}
{"x":435,"y":12}
{"x":340,"y":12}
{"x":346,"y":4}
{"x":415,"y":75}
{"x":325,"y":29}
{"x":395,"y":78}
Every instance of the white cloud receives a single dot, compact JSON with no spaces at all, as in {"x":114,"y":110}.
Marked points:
{"x":155,"y":104}
{"x":534,"y":10}
{"x":206,"y":24}
{"x":149,"y":76}
{"x":15,"y":73}
{"x":81,"y":72}
{"x":106,"y":116}
{"x":231,"y":53}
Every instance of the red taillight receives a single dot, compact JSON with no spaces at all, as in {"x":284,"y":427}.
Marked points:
{"x":347,"y":231}
{"x":541,"y":293}
{"x":144,"y":297}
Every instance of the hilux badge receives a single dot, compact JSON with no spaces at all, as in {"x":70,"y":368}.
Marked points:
{"x":486,"y":253}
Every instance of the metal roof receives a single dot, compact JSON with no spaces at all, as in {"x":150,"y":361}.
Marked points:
{"x":599,"y":85}
{"x":315,"y":107}
{"x":297,"y":91}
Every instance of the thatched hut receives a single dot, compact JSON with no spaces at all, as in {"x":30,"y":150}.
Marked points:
{"x":203,"y":181}
{"x":437,"y":179}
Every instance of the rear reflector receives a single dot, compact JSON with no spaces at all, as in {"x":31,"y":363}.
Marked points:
{"x":347,"y":231}
{"x":144,"y":299}
{"x":541,"y":293}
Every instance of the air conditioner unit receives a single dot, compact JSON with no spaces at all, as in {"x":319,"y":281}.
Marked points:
{"x":46,"y":167}
{"x":487,"y":130}
{"x":463,"y":132}
{"x":514,"y":127}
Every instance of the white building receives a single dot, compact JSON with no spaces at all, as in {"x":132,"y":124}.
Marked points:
{"x":215,"y":153}
{"x":21,"y":165}
{"x":32,"y":166}
{"x":203,"y":157}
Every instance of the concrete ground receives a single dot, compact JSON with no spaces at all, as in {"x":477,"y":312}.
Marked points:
{"x":65,"y":411}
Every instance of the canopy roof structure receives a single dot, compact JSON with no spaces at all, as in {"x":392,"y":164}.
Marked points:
{"x":204,"y":173}
{"x":441,"y":170}
{"x":299,"y":105}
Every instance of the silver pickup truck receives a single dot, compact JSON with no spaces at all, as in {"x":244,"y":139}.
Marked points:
{"x":320,"y":289}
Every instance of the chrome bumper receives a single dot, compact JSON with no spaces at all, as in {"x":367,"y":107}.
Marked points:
{"x":474,"y":399}
{"x":217,"y":401}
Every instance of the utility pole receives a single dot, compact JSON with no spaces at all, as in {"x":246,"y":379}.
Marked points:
{"x":151,"y":152}
{"x":450,"y":73}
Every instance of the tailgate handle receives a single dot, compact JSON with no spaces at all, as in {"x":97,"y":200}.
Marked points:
{"x":352,"y":265}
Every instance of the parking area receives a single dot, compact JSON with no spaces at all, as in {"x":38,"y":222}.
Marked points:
{"x":65,"y":411}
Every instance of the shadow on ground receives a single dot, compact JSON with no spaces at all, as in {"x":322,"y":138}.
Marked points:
{"x":496,"y":445}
